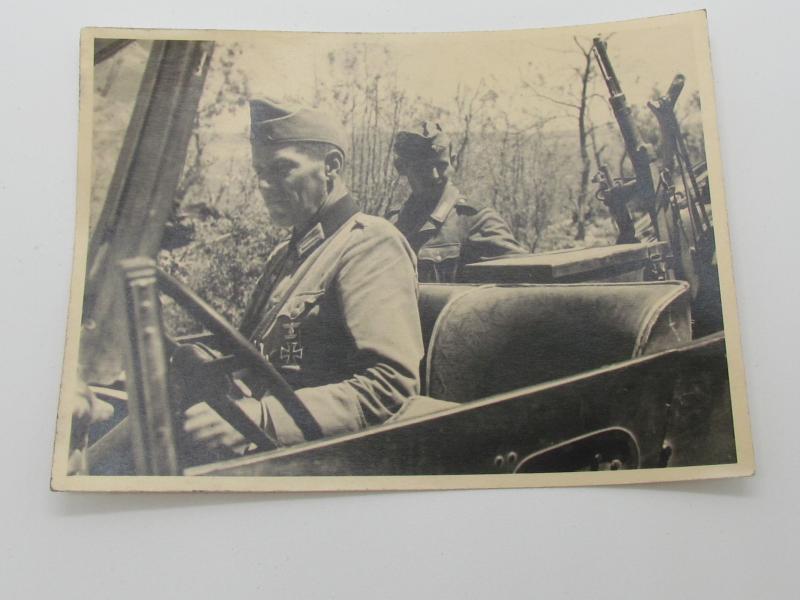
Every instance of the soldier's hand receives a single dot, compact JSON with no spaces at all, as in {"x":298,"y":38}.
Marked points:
{"x":86,"y":410}
{"x":206,"y":428}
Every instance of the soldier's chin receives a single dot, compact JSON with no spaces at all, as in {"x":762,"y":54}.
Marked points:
{"x":427,"y":188}
{"x":279,"y":215}
{"x":436,"y":186}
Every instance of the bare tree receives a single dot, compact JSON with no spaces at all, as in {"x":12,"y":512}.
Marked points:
{"x":524,"y":168}
{"x":231,"y":92}
{"x":469,"y":106}
{"x":361,"y":87}
{"x":578,"y":107}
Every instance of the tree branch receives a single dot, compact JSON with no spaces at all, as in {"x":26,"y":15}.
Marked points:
{"x":557,"y":101}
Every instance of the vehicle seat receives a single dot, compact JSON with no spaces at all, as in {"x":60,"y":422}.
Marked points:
{"x":491,"y":339}
{"x":433,"y":297}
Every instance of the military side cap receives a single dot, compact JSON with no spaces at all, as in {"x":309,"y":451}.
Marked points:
{"x":430,"y":144}
{"x":273,"y":123}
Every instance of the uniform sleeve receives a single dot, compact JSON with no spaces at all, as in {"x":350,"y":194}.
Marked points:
{"x":377,"y":291}
{"x":489,"y":237}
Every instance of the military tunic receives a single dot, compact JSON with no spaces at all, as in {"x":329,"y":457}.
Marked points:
{"x":452,"y":232}
{"x":336,"y":313}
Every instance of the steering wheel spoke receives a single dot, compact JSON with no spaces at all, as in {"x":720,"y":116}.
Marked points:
{"x":240,"y":353}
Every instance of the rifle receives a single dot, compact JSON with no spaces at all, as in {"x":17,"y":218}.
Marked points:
{"x":675,"y":161}
{"x":642,"y":185}
{"x":615,"y":195}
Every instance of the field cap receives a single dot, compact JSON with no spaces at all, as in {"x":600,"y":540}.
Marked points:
{"x":272,"y":122}
{"x":431,"y":144}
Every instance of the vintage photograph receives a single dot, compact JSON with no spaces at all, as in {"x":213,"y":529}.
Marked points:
{"x":329,"y":261}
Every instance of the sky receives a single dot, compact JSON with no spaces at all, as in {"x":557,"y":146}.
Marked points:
{"x":432,"y":65}
{"x":645,"y":53}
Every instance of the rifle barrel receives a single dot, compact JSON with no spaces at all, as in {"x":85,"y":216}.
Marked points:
{"x":609,"y":76}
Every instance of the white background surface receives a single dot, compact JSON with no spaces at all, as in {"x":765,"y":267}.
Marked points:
{"x":726,"y":539}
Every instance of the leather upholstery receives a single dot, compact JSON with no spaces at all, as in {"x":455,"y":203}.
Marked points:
{"x":433,"y":297}
{"x":491,"y":339}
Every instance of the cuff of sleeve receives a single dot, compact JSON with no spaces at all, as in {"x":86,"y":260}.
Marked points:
{"x":278,"y":423}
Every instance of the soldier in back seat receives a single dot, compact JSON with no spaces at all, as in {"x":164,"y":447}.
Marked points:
{"x":445,"y":229}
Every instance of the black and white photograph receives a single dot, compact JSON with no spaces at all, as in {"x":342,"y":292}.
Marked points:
{"x":376,"y":261}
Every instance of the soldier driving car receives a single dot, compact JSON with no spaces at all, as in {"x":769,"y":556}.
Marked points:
{"x":335,"y":310}
{"x":446,"y":230}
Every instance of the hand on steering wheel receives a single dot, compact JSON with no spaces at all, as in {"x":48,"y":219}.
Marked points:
{"x":205,"y":427}
{"x":249,"y":357}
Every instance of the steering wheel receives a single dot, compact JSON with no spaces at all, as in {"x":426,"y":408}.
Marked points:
{"x":248,"y":356}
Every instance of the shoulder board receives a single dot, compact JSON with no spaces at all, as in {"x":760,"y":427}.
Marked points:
{"x":464,"y":206}
{"x":372,"y":221}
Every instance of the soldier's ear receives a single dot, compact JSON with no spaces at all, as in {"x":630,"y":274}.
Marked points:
{"x":454,"y":161}
{"x":334,"y":163}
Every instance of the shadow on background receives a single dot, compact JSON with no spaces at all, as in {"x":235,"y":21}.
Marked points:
{"x":83,"y":503}
{"x":739,"y":486}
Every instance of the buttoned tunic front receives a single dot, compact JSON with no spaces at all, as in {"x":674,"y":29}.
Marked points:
{"x":450,"y":232}
{"x":336,"y":313}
